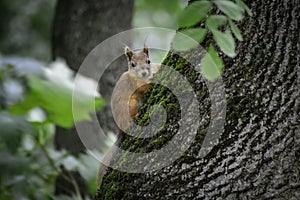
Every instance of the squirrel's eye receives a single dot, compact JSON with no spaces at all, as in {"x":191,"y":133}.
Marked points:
{"x":148,"y":61}
{"x":132,"y":64}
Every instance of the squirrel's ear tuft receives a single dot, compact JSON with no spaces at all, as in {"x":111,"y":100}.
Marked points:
{"x":129,"y":53}
{"x":145,"y":50}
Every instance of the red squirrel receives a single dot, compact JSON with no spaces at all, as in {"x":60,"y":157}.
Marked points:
{"x":127,"y":94}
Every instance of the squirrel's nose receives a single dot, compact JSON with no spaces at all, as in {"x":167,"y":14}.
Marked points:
{"x":144,"y":74}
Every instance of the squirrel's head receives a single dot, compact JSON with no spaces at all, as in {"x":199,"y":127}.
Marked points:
{"x":139,"y":63}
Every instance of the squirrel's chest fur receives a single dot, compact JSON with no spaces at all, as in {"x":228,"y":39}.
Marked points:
{"x":125,"y":99}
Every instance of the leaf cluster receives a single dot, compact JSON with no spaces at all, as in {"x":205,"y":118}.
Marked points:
{"x":222,"y":26}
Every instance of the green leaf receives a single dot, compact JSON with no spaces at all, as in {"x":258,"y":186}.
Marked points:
{"x":194,"y":13}
{"x":211,"y":64}
{"x":45,"y":133}
{"x":225,"y":41}
{"x":231,"y":9}
{"x":244,"y":6}
{"x":214,"y":21}
{"x":188,"y":39}
{"x":235,"y":30}
{"x":56,"y":99}
{"x":197,"y":34}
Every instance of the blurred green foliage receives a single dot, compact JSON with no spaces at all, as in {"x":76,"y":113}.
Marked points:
{"x":34,"y":98}
{"x":157,"y":13}
{"x":42,"y":92}
{"x":26,"y":28}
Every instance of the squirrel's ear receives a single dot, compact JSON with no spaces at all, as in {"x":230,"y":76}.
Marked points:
{"x":145,"y":50}
{"x":129,"y":53}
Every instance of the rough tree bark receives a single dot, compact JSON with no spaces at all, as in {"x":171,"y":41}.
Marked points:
{"x":78,"y":27}
{"x":257,"y":156}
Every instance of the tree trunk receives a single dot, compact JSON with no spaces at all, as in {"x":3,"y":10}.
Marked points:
{"x":257,"y":155}
{"x":79,"y":26}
